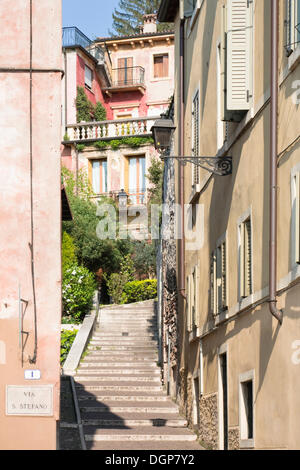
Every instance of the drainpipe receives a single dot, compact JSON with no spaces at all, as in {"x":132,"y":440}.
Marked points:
{"x":181,"y":167}
{"x":278,"y":314}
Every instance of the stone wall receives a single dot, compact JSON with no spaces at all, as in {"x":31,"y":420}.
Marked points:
{"x":234,"y":438}
{"x":208,"y":428}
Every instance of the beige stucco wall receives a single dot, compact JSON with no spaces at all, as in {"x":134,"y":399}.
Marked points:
{"x":254,"y":339}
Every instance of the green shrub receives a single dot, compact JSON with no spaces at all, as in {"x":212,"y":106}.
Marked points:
{"x":84,"y":107}
{"x":100,"y":112}
{"x":77,"y":293}
{"x":137,"y":291}
{"x":117,"y":281}
{"x":67,"y":339}
{"x":68,"y":251}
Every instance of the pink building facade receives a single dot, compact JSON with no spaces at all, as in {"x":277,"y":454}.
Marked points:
{"x":133,"y":79}
{"x":30,"y":217}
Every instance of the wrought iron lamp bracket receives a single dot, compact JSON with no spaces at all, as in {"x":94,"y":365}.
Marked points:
{"x":221,"y":166}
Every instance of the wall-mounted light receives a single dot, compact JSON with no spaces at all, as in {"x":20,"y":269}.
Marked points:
{"x":162,"y":132}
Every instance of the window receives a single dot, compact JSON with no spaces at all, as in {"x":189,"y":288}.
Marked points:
{"x":135,"y":179}
{"x":195,"y":136}
{"x":88,"y":77}
{"x":99,"y":176}
{"x":246,"y":409}
{"x":218,"y":279}
{"x":125,"y":71}
{"x":236,"y":55}
{"x":193,"y":304}
{"x":296,"y":217}
{"x":161,"y":66}
{"x":292,"y":25}
{"x":220,"y":123}
{"x":245,"y":258}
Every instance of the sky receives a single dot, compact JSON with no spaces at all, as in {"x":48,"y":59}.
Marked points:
{"x":92,"y":17}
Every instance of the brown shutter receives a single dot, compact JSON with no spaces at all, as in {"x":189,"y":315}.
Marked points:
{"x":121,"y":71}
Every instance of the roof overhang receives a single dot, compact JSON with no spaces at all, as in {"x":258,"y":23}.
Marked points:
{"x":167,"y":11}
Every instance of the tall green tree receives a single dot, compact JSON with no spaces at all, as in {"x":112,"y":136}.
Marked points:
{"x":128,"y":16}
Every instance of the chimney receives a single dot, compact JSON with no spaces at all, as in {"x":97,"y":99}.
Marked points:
{"x":149,"y":24}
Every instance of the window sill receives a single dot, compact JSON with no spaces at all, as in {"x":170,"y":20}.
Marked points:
{"x":159,"y":79}
{"x":89,"y":89}
{"x":196,"y":189}
{"x":195,"y":15}
{"x":193,"y":335}
{"x":246,"y":443}
{"x":294,"y":58}
{"x":221,"y":317}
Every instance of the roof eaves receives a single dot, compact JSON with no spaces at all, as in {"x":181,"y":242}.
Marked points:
{"x":167,"y":10}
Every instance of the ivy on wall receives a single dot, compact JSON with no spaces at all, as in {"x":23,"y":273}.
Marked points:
{"x":115,"y":144}
{"x":86,"y":110}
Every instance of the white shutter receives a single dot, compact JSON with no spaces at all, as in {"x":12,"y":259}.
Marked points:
{"x":297,"y":218}
{"x":242,"y":261}
{"x":239,"y":54}
{"x":224,"y":277}
{"x":88,"y":77}
{"x":189,"y":303}
{"x":213,"y":283}
{"x":189,"y":6}
{"x":197,"y":286}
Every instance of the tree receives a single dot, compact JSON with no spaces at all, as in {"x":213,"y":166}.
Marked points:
{"x":129,"y":16}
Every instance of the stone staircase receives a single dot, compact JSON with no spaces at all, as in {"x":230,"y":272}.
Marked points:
{"x":118,"y":386}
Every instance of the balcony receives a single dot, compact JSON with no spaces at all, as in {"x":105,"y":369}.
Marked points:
{"x":107,"y":130}
{"x":73,"y":37}
{"x":127,"y":79}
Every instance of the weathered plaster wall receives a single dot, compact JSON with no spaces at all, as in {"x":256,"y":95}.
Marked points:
{"x":17,"y":213}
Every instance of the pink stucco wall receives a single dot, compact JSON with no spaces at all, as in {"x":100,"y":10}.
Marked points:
{"x":17,"y":211}
{"x":157,"y":90}
{"x":96,"y":94}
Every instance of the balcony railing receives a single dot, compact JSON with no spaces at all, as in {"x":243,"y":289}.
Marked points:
{"x":128,"y":76}
{"x":72,"y":37}
{"x":105,"y":130}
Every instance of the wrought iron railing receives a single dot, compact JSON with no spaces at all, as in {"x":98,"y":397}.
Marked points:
{"x":72,"y":37}
{"x":128,"y":76}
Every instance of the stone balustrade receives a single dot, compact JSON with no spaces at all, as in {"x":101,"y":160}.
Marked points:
{"x":104,"y":130}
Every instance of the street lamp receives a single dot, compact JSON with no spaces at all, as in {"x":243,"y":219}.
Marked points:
{"x":122,"y":196}
{"x":162,"y":132}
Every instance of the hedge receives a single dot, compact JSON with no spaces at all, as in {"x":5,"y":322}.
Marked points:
{"x":137,"y":291}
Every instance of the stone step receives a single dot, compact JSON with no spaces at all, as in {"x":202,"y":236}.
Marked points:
{"x":119,"y":334}
{"x":105,"y":378}
{"x":174,"y":447}
{"x":119,"y":397}
{"x":113,"y":423}
{"x":118,"y":347}
{"x":121,"y":346}
{"x":126,"y":341}
{"x":111,"y":372}
{"x":156,"y":410}
{"x":123,"y":352}
{"x":88,"y":362}
{"x":120,"y":388}
{"x":143,"y":433}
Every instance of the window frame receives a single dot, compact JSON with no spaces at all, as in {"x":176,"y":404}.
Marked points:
{"x":86,"y":82}
{"x":195,"y":141}
{"x":163,"y":77}
{"x":245,"y":441}
{"x":295,"y":216}
{"x":101,"y":161}
{"x":219,"y":278}
{"x":243,"y":293}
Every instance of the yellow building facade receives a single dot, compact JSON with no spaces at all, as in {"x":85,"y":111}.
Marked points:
{"x":237,"y":371}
